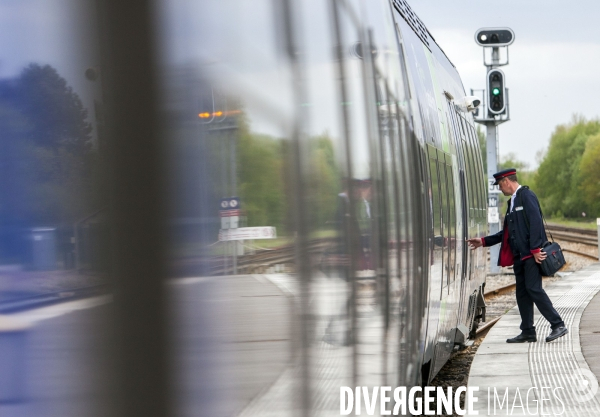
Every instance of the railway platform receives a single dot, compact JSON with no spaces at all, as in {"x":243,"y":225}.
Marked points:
{"x":555,"y":378}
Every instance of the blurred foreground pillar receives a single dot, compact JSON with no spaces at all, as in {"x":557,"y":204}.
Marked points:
{"x":137,"y":207}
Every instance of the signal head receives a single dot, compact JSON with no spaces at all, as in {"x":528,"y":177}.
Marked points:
{"x":494,"y":37}
{"x":496,"y":92}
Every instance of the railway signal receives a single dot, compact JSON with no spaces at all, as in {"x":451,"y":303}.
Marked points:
{"x":494,"y":37}
{"x":496,"y":92}
{"x":493,"y":40}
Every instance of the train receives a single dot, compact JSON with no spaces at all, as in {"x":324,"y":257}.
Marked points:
{"x":278,"y":194}
{"x":343,"y":125}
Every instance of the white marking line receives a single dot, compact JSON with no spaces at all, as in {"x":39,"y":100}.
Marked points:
{"x":556,"y":362}
{"x":45,"y":313}
{"x":191,"y":280}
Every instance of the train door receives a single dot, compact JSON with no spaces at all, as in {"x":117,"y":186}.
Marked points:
{"x":437,"y":247}
{"x":460,"y":204}
{"x":452,"y":234}
{"x":443,"y":183}
{"x":481,"y":186}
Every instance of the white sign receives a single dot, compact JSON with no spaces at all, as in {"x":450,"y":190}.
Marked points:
{"x":493,"y":215}
{"x":234,"y":221}
{"x":225,"y":222}
{"x":248,"y":233}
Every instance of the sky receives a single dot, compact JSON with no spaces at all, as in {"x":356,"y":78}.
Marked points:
{"x":552,"y":74}
{"x":554,"y":63}
{"x":57,"y":33}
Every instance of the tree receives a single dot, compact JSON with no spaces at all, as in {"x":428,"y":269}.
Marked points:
{"x":559,"y":178}
{"x":525,"y":175}
{"x":45,"y":155}
{"x":324,"y":181}
{"x":261,"y":186}
{"x":590,"y":174}
{"x":55,"y":111}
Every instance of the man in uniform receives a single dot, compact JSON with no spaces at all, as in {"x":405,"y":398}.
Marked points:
{"x":521,"y":241}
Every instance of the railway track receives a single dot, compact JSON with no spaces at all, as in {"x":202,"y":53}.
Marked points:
{"x":261,"y":261}
{"x":575,"y":235}
{"x":579,"y":253}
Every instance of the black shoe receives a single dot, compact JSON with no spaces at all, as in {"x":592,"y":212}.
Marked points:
{"x":556,"y":333}
{"x":522,"y":338}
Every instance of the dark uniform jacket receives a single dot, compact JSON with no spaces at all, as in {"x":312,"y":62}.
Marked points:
{"x":523,"y":233}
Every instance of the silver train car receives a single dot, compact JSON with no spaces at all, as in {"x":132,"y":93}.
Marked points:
{"x":278,"y":193}
{"x":369,"y":163}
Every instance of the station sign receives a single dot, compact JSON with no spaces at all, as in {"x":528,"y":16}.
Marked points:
{"x":491,"y":187}
{"x":493,"y":215}
{"x":229,"y":203}
{"x":229,"y":212}
{"x":248,"y":233}
{"x":493,"y":201}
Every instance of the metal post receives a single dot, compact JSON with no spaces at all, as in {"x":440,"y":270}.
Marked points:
{"x":598,"y":223}
{"x":234,"y":243}
{"x":493,"y":193}
{"x":491,"y":122}
{"x":495,"y":56}
{"x":224,"y":190}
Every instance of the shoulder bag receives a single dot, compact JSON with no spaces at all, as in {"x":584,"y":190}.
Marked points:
{"x":554,"y":255}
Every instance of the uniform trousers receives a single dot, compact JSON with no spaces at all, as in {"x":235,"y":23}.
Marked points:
{"x":529,"y":292}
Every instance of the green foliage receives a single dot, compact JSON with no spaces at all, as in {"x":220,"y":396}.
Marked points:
{"x":57,"y":116}
{"x":590,"y":174}
{"x":525,"y":176}
{"x":564,"y":180}
{"x":265,"y":186}
{"x":324,"y":183}
{"x":46,"y":174}
{"x":261,"y":186}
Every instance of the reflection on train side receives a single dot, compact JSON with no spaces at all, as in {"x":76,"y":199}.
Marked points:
{"x":319,"y":183}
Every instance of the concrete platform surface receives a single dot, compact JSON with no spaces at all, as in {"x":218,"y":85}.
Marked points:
{"x":555,"y":378}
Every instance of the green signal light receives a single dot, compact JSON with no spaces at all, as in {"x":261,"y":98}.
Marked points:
{"x":496,"y":91}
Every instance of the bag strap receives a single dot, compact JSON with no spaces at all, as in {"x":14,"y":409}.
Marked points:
{"x":540,"y":207}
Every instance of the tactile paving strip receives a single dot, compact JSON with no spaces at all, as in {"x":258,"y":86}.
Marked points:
{"x":559,"y":365}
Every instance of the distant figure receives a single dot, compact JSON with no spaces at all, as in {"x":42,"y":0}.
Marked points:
{"x":363,"y":203}
{"x":522,"y":238}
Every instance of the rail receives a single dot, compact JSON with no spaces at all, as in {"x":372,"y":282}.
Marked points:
{"x":575,"y":235}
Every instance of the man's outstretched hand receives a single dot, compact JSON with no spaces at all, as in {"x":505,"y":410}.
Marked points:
{"x":475,"y":243}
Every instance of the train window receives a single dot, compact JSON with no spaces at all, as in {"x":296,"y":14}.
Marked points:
{"x":465,"y":156}
{"x":471,"y":179}
{"x":479,"y":168}
{"x":474,"y":164}
{"x":452,"y":122}
{"x":482,"y":176}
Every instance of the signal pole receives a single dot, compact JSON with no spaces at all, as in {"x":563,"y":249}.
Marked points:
{"x":494,"y":112}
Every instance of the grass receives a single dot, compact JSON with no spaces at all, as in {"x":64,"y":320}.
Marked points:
{"x":582,"y":224}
